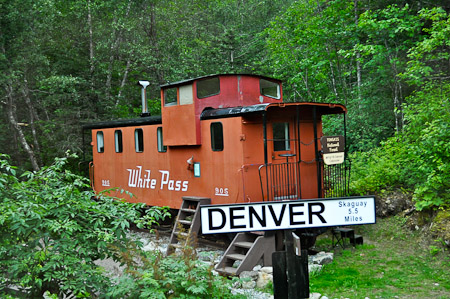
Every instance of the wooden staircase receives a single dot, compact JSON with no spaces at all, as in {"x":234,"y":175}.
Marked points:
{"x":248,"y":248}
{"x":187,"y":224}
{"x":342,"y":234}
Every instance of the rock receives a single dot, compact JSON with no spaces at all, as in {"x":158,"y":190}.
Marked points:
{"x":268,"y":270}
{"x":150,"y":246}
{"x":257,"y":268}
{"x":248,"y":293}
{"x":323,"y":258}
{"x":263,"y":279}
{"x":314,"y":268}
{"x":209,"y":256}
{"x":392,"y":203}
{"x":441,"y":226}
{"x":314,"y":296}
{"x":248,"y":284}
{"x":237,"y":284}
{"x":253,"y":275}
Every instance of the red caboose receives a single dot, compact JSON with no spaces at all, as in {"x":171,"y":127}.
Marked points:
{"x":230,"y":138}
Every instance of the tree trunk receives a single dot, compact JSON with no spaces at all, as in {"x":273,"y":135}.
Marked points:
{"x":333,"y":77}
{"x":11,"y":113}
{"x":124,"y":81}
{"x":113,"y":52}
{"x":33,"y":116}
{"x":358,"y":56}
{"x":91,"y":46}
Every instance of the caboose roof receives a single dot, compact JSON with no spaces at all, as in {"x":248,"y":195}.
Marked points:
{"x":187,"y":81}
{"x":141,"y":121}
{"x":323,"y":108}
{"x":209,"y":113}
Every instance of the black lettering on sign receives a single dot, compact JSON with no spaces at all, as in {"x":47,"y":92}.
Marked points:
{"x":210,"y":219}
{"x":317,"y":213}
{"x":292,"y":213}
{"x":275,"y":219}
{"x":233,"y":217}
{"x":253,"y":214}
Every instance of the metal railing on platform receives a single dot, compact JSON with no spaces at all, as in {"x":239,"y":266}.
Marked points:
{"x":281,"y":181}
{"x":336,"y":179}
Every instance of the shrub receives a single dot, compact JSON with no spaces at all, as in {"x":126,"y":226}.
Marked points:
{"x":52,"y":231}
{"x":418,"y":158}
{"x":174,"y":276}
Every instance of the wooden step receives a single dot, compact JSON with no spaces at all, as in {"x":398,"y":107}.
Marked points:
{"x":257,"y":233}
{"x":249,"y":250}
{"x":185,"y":222}
{"x":236,"y":256}
{"x":184,"y":234}
{"x":243,"y":244}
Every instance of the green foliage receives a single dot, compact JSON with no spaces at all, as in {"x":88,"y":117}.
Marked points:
{"x":428,"y":58}
{"x":418,"y":158}
{"x":303,"y":47}
{"x":179,"y":275}
{"x":52,"y":231}
{"x":78,"y":61}
{"x":396,"y":263}
{"x":174,"y":276}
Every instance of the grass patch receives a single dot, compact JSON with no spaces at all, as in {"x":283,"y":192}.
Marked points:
{"x":393,"y":263}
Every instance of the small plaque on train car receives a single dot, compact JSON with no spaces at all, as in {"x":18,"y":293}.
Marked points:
{"x":333,"y":148}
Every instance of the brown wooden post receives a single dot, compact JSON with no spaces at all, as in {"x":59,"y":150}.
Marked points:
{"x":290,"y":271}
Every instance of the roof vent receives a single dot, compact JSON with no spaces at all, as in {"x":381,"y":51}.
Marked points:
{"x":144,"y":85}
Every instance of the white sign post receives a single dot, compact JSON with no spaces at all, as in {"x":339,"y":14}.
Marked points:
{"x":291,"y":214}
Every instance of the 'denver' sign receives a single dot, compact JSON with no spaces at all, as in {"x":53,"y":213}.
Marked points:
{"x":333,"y":148}
{"x":289,"y":214}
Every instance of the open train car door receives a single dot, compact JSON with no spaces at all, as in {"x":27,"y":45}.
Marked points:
{"x":293,"y":166}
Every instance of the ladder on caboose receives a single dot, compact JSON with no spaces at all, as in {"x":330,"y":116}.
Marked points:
{"x":187,"y":224}
{"x":247,"y":249}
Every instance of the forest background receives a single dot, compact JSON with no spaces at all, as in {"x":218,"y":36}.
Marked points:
{"x":63,"y":63}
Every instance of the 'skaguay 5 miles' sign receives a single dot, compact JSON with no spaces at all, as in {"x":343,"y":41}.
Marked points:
{"x":291,"y":214}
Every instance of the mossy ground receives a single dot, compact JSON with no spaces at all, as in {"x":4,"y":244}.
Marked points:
{"x":394,"y":262}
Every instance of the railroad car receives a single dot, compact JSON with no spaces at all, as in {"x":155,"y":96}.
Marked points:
{"x":227,"y":137}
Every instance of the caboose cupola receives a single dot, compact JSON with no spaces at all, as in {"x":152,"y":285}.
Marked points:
{"x":183,"y":102}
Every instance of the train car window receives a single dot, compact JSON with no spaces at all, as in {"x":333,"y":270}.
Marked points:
{"x":139,"y":140}
{"x":118,"y":141}
{"x":281,"y":140}
{"x":161,"y":147}
{"x":170,"y":96}
{"x":186,"y":96}
{"x":217,"y":137}
{"x":208,"y":87}
{"x":100,"y":142}
{"x":269,"y":88}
